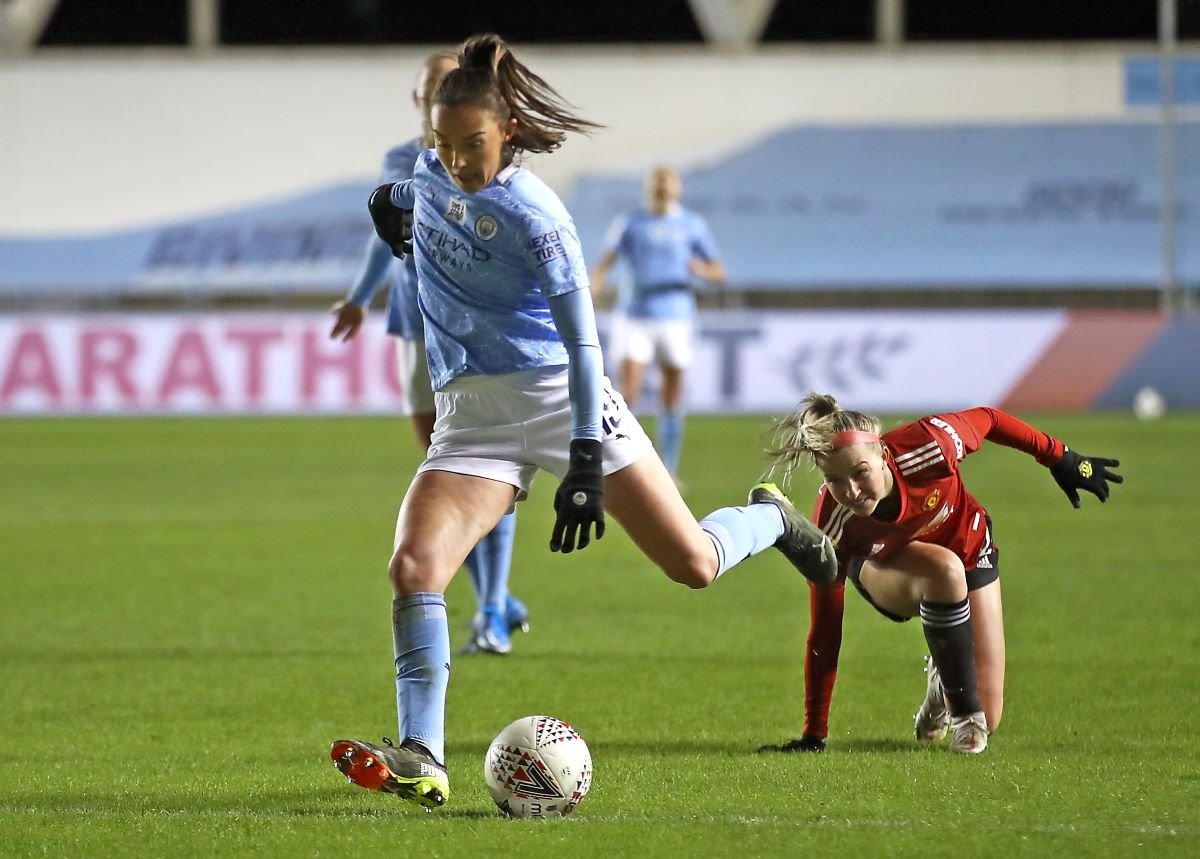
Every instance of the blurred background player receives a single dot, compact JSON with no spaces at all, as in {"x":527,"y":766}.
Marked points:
{"x":914,"y":542}
{"x":667,"y":248}
{"x":515,"y":361}
{"x":498,"y":613}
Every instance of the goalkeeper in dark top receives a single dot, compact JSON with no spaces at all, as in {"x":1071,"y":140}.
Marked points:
{"x":914,"y":542}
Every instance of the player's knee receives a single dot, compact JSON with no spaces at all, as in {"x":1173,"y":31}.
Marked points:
{"x":948,"y":574}
{"x":695,"y":570}
{"x":951,"y":569}
{"x":411,"y":569}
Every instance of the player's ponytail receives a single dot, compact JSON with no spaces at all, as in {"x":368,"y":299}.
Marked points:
{"x":808,"y":432}
{"x":489,"y":75}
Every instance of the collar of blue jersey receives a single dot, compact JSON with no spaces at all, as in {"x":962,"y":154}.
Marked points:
{"x":507,"y":173}
{"x":672,"y":210}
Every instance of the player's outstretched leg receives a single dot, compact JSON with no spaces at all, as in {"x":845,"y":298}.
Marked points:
{"x":933,"y":717}
{"x":804,"y":544}
{"x":408,"y":770}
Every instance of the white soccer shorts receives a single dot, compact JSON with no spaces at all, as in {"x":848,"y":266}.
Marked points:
{"x":414,"y":376}
{"x":667,"y":342}
{"x":507,"y":427}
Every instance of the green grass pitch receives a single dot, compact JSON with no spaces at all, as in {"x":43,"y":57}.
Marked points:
{"x":191,"y":610}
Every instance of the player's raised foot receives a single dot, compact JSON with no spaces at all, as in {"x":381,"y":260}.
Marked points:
{"x":489,"y":634}
{"x":970,"y":734}
{"x":933,"y":717}
{"x":804,"y":544}
{"x":516,"y":614}
{"x":408,"y":770}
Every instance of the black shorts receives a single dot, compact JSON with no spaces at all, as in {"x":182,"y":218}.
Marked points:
{"x":985,"y":571}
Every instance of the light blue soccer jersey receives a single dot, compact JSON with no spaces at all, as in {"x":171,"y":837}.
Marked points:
{"x":657,"y":250}
{"x":486,"y":263}
{"x":380,"y":267}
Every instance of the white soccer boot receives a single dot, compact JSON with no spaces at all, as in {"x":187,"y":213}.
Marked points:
{"x":932,"y":719}
{"x":970,"y":734}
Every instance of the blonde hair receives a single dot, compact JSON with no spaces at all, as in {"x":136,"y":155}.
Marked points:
{"x":428,"y":81}
{"x":807,"y":433}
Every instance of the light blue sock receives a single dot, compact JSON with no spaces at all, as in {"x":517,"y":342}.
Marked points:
{"x":477,"y":564}
{"x":499,"y":551}
{"x":739,"y":532}
{"x":421,"y":643}
{"x":670,"y":439}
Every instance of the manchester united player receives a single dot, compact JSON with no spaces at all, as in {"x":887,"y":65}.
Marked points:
{"x":913,"y":541}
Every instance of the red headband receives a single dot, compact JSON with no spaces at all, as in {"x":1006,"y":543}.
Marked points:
{"x":849,"y":437}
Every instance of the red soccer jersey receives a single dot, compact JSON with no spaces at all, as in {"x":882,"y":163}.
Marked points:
{"x":935,"y":507}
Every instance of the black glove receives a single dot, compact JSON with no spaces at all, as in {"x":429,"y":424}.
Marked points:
{"x":1076,"y":471}
{"x":804,"y":744}
{"x":579,"y":502}
{"x":393,"y":226}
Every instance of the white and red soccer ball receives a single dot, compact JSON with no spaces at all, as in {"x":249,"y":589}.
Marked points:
{"x":538,"y":767}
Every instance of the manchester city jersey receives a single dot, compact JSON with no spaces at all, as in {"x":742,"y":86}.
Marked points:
{"x":404,"y":316}
{"x":658,"y":250}
{"x":486,"y":263}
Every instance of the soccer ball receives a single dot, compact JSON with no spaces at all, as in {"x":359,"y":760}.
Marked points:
{"x":538,"y":767}
{"x":1149,"y":404}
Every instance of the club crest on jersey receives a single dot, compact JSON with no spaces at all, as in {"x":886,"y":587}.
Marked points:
{"x":936,"y":522}
{"x":932,"y":499}
{"x":457,"y":210}
{"x":486,"y":227}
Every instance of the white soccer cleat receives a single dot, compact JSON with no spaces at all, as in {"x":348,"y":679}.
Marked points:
{"x":970,"y":734}
{"x":932,"y":719}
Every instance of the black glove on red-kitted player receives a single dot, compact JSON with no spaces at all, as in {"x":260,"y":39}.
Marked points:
{"x":1091,"y":473}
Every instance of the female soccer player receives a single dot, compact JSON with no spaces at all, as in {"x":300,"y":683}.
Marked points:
{"x":498,"y":613}
{"x":515,"y":363}
{"x":914,"y":541}
{"x":666,"y":247}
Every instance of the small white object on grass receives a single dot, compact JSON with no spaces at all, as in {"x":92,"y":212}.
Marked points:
{"x":1148,"y":404}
